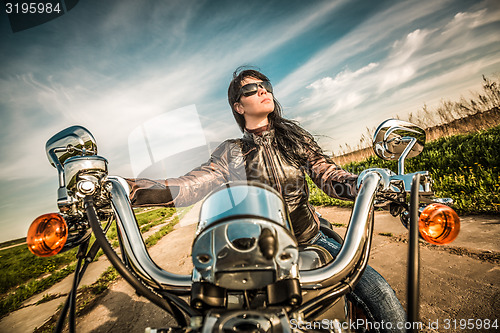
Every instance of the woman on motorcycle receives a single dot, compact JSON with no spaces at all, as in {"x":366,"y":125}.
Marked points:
{"x":279,"y":153}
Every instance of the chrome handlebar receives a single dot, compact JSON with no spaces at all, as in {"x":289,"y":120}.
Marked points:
{"x":133,"y":243}
{"x":354,"y":246}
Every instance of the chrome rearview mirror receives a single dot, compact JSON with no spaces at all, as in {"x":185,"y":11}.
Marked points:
{"x":397,"y":140}
{"x":70,"y":142}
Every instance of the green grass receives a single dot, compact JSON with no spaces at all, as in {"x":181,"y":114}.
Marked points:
{"x":18,"y":265}
{"x":47,"y":298}
{"x":153,"y":239}
{"x":465,"y":168}
{"x":108,"y":276}
{"x":318,"y":198}
{"x":146,"y":220}
{"x":154,"y":215}
{"x":14,"y":299}
{"x":154,"y":218}
{"x":87,"y":296}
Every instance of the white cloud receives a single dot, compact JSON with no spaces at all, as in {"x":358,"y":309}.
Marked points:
{"x":334,"y":94}
{"x":399,"y":66}
{"x":470,"y":20}
{"x":372,"y":34}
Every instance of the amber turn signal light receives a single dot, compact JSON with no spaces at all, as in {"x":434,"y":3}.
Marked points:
{"x":47,"y":235}
{"x":439,"y":224}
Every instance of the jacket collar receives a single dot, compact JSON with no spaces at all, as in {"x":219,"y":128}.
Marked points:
{"x":267,"y":135}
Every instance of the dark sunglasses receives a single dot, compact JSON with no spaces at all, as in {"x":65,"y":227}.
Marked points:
{"x":252,"y":88}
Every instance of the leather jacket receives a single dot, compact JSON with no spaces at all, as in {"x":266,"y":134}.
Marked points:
{"x":254,"y":157}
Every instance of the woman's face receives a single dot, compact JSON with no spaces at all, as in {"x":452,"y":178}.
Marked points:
{"x":256,"y":107}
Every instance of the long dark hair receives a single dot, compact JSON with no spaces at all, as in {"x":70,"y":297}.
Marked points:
{"x":292,"y":140}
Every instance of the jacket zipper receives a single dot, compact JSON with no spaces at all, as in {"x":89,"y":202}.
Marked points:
{"x":273,"y":169}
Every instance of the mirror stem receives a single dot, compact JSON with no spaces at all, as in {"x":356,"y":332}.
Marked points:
{"x":62,"y":193}
{"x":401,"y":160}
{"x":58,"y":165}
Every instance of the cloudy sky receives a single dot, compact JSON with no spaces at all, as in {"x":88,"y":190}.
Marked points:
{"x":113,"y":67}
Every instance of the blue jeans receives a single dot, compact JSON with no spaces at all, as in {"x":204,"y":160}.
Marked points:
{"x":372,"y":293}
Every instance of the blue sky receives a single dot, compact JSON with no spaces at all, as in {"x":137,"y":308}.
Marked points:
{"x":338,"y":67}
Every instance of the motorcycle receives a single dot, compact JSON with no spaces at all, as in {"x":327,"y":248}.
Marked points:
{"x":249,"y":275}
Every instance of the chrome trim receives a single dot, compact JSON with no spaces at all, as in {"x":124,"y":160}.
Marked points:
{"x":444,"y":201}
{"x":397,"y":139}
{"x":77,"y":165}
{"x":266,"y":320}
{"x":392,"y":137}
{"x":406,"y":152}
{"x":312,"y":256}
{"x":133,"y":244}
{"x":425,"y":183}
{"x":72,"y":141}
{"x":243,"y":212}
{"x":357,"y":236}
{"x":220,"y":262}
{"x":386,"y":177}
